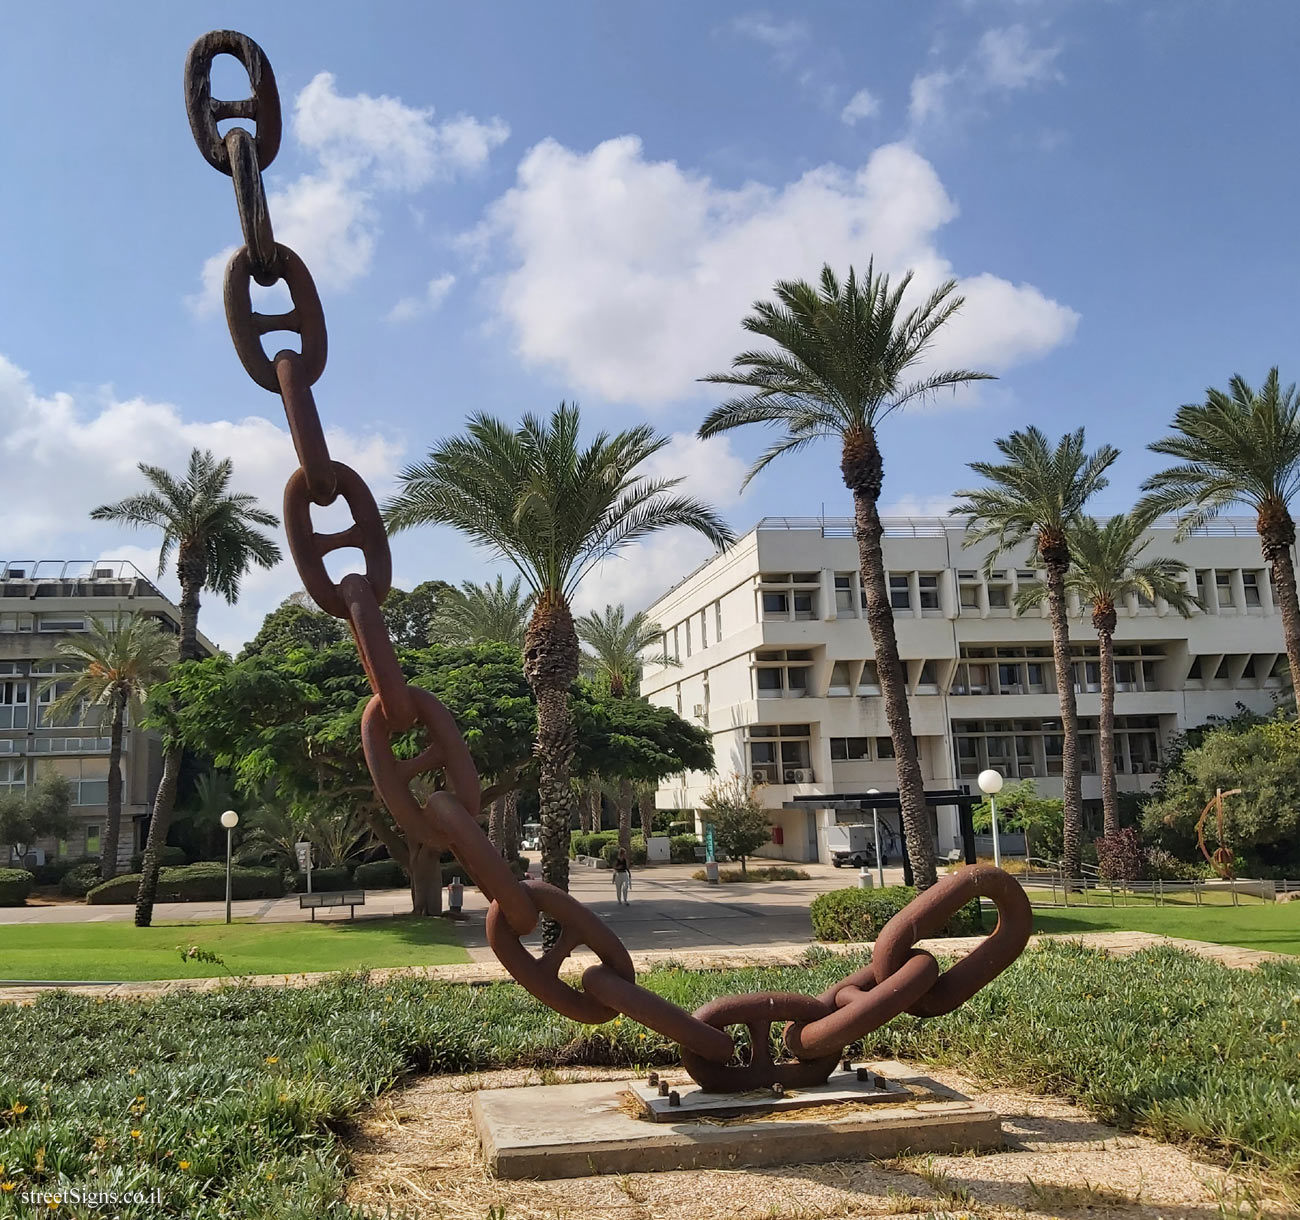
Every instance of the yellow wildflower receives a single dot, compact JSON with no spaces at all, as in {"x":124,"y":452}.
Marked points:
{"x":7,"y":1186}
{"x":135,"y":1133}
{"x":18,"y":1108}
{"x":183,"y":1164}
{"x":273,"y":1058}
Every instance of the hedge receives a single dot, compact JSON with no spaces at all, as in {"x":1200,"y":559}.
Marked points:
{"x":636,"y":852}
{"x":51,"y":873}
{"x":591,"y":844}
{"x":193,"y":883}
{"x":681,"y":848}
{"x":323,"y":880}
{"x":380,"y":875}
{"x":81,"y":877}
{"x":172,"y":857}
{"x":15,"y":885}
{"x":858,"y":915}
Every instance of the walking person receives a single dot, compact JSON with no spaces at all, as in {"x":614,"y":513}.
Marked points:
{"x":622,"y":876}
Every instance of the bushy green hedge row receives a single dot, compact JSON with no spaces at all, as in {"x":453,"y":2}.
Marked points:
{"x":681,"y":849}
{"x":635,"y":851}
{"x":857,"y":915}
{"x":593,"y":844}
{"x":172,"y":857}
{"x":322,"y":880}
{"x":192,"y":883}
{"x":380,"y":875}
{"x":81,"y":877}
{"x":15,"y":885}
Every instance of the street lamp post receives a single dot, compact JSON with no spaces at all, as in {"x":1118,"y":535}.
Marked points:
{"x":229,"y":819}
{"x":875,"y":830}
{"x":990,"y":783}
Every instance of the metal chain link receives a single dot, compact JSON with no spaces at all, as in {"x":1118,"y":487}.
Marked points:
{"x":900,"y":978}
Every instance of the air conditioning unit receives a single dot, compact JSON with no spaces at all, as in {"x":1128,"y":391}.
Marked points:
{"x":699,"y":711}
{"x":1151,"y":768}
{"x":798,"y":775}
{"x":759,"y":776}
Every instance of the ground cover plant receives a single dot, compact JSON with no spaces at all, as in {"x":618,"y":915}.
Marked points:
{"x":858,"y":915}
{"x":121,"y":952}
{"x":232,"y":1101}
{"x":732,"y":875}
{"x":1274,"y":926}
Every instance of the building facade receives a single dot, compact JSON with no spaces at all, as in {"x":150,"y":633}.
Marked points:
{"x":774,"y":656}
{"x":41,"y":603}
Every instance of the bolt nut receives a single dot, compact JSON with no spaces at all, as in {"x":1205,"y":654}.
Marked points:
{"x":674,"y":1098}
{"x":864,"y":1075}
{"x":847,"y":1065}
{"x":652,"y":1079}
{"x":778,"y":1090}
{"x":663,"y":1088}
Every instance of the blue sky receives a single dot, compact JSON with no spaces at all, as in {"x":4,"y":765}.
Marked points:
{"x":510,"y":204}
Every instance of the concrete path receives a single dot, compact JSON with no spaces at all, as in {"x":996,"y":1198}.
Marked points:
{"x":730,"y":957}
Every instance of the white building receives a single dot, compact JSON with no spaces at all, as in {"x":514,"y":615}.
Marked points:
{"x":775,"y":659}
{"x":41,"y":603}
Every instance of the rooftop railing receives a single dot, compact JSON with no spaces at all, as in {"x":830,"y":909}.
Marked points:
{"x":937,"y":527}
{"x":75,"y":573}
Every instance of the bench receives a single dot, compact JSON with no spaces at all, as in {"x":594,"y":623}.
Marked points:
{"x":335,"y":898}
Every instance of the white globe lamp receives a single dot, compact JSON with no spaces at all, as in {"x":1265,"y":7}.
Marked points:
{"x":229,"y":819}
{"x":990,"y":783}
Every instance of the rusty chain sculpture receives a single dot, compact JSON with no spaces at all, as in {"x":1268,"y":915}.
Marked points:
{"x":900,"y":978}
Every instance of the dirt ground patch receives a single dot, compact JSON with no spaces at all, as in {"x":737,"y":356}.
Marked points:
{"x":416,"y":1153}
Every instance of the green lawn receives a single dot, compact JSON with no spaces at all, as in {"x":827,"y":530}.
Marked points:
{"x":1272,"y":926}
{"x":121,"y":951}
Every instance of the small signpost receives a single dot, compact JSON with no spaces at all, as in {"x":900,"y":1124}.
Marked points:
{"x":303,"y":852}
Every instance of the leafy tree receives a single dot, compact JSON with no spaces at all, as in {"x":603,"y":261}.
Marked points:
{"x":1038,"y":495}
{"x":555,"y":510}
{"x":483,"y":614}
{"x":1240,"y":447}
{"x":295,"y":625}
{"x":843,"y":354}
{"x":1020,"y":808}
{"x":215,"y":536}
{"x":108,"y":670}
{"x":738,"y":817}
{"x":617,"y":645}
{"x":42,"y":811}
{"x":1106,"y":567}
{"x":410,"y":616}
{"x":1262,"y":823}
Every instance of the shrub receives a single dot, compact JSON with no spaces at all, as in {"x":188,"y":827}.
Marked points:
{"x":681,"y":849}
{"x":323,"y":880}
{"x":860,"y":914}
{"x":591,"y":844}
{"x":519,"y":866}
{"x":755,"y":874}
{"x":81,"y":877}
{"x":52,"y":873}
{"x":1163,"y":865}
{"x":636,"y":852}
{"x":380,"y":875}
{"x":172,"y":857}
{"x":192,"y":883}
{"x":1120,"y":856}
{"x":15,"y":885}
{"x":677,"y":829}
{"x":739,"y":820}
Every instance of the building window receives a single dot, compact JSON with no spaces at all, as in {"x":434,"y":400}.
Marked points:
{"x":776,"y":605}
{"x":999,"y":595}
{"x":60,"y":622}
{"x":850,"y":749}
{"x":13,"y":705}
{"x":776,"y":676}
{"x":770,"y":683}
{"x":717,"y":619}
{"x":1194,"y":672}
{"x":1203,"y":586}
{"x":87,"y":776}
{"x":839,"y":678}
{"x":13,"y":775}
{"x":927,"y":683}
{"x":805,"y":605}
{"x":900,"y":593}
{"x":13,"y":623}
{"x":92,"y":839}
{"x":1223,"y":587}
{"x":844,"y":592}
{"x":869,"y":681}
{"x":928,"y":590}
{"x":969,"y":597}
{"x":1250,"y":584}
{"x":704,"y":629}
{"x":688,"y":637}
{"x":884,"y":747}
{"x":679,"y":698}
{"x":778,"y":753}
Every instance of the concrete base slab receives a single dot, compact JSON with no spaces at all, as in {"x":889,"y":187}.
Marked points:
{"x":574,"y":1130}
{"x":694,"y":1103}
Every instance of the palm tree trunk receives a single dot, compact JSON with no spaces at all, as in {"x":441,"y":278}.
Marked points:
{"x":510,"y":826}
{"x":863,"y":473}
{"x":1109,"y":787}
{"x":625,"y":814}
{"x":497,"y":824}
{"x":113,"y":826}
{"x":646,"y":806}
{"x":1070,"y":779}
{"x":1276,"y":540}
{"x":192,"y":569}
{"x":593,"y":813}
{"x":424,"y":867}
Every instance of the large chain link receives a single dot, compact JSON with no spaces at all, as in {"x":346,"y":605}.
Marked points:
{"x":900,"y":978}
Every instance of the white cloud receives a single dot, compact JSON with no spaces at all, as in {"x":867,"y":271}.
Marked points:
{"x":65,"y":456}
{"x":862,"y":105}
{"x":778,"y":35}
{"x":912,"y":505}
{"x":640,"y":573}
{"x":630,"y":276}
{"x":434,"y":295}
{"x":365,"y":147}
{"x":709,"y":469}
{"x":1009,"y":60}
{"x":1004,"y":60}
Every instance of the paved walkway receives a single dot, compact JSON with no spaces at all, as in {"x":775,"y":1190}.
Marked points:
{"x":776,"y":954}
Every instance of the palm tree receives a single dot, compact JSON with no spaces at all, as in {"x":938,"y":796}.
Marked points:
{"x":617,"y":646}
{"x":1240,"y":447}
{"x":111,"y":667}
{"x":555,"y":510}
{"x":1107,"y":568}
{"x":1037,"y":495}
{"x":483,"y":614}
{"x":842,"y":355}
{"x":215,"y":537}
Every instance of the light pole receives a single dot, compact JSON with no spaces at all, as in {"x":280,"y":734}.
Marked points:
{"x":229,"y":819}
{"x":990,"y":783}
{"x":875,"y":830}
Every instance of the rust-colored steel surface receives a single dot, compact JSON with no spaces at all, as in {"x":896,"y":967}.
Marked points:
{"x":900,"y":979}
